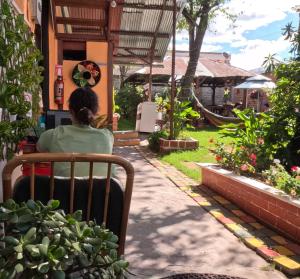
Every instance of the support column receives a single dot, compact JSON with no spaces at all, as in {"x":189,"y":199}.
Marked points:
{"x":173,"y":86}
{"x":150,"y":80}
{"x":213,"y":99}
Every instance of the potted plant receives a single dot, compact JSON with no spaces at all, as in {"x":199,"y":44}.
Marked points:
{"x":183,"y":115}
{"x":43,"y":242}
{"x":20,"y":78}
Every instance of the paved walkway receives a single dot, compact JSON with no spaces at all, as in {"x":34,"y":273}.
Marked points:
{"x":169,"y":233}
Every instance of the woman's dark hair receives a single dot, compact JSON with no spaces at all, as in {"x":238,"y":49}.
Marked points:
{"x":83,"y":102}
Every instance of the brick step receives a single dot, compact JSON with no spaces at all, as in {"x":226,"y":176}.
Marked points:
{"x":126,"y":134}
{"x":127,"y":142}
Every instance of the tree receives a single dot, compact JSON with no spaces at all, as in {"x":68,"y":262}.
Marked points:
{"x":123,"y":73}
{"x":293,"y":35}
{"x":269,"y":63}
{"x":196,"y":17}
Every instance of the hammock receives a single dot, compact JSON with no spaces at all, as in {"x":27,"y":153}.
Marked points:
{"x":215,"y":119}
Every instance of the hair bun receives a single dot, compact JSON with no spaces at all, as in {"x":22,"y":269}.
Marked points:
{"x":85,"y":116}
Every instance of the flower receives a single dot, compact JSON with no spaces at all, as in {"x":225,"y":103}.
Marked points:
{"x":260,"y":141}
{"x":276,"y":161}
{"x":218,"y":158}
{"x":252,"y":157}
{"x":244,"y":167}
{"x":295,"y":169}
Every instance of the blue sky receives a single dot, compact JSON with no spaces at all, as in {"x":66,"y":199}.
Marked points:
{"x":257,"y":31}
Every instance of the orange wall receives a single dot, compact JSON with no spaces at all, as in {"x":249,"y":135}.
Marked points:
{"x":96,"y":52}
{"x":24,"y":6}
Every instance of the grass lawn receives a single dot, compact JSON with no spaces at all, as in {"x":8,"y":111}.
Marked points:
{"x":183,"y":160}
{"x":126,"y":124}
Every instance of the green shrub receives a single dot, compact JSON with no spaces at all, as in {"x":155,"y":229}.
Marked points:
{"x":19,"y":73}
{"x":42,"y":242}
{"x":153,"y":139}
{"x":250,"y":152}
{"x":127,"y":100}
{"x":277,"y":176}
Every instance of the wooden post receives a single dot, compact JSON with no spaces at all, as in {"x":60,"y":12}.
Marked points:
{"x":173,"y":86}
{"x":45,"y":52}
{"x":150,"y":80}
{"x":109,"y":70}
{"x":213,"y":99}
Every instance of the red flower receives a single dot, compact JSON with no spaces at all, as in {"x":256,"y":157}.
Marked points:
{"x":218,"y":158}
{"x":244,"y":167}
{"x":294,"y":168}
{"x":252,"y":157}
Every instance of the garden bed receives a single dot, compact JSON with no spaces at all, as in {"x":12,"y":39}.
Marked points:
{"x":166,"y":145}
{"x":271,"y":206}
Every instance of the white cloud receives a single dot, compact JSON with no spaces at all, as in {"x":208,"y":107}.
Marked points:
{"x":252,"y":55}
{"x":252,"y":14}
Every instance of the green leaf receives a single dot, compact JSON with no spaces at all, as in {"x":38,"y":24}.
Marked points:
{"x":58,"y":274}
{"x":19,"y":268}
{"x":43,"y":267}
{"x":54,"y":204}
{"x":11,"y":241}
{"x":59,"y":252}
{"x":30,"y":235}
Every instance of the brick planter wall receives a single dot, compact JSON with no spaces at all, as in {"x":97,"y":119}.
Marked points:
{"x":172,"y":145}
{"x":272,"y":206}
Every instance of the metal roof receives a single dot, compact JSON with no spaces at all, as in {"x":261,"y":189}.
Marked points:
{"x":206,"y":67}
{"x":140,"y":29}
{"x":141,"y":22}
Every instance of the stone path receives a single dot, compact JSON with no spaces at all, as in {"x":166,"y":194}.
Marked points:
{"x":169,"y":233}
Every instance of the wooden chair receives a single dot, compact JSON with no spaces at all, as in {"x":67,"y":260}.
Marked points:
{"x":99,"y":193}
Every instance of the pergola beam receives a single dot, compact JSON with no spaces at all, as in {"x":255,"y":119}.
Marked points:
{"x":95,"y":4}
{"x":79,"y":37}
{"x":137,"y":56}
{"x":140,"y":34}
{"x":135,"y":48}
{"x":80,"y":21}
{"x":148,"y":7}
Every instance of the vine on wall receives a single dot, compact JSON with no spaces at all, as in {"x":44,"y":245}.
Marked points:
{"x":20,"y":78}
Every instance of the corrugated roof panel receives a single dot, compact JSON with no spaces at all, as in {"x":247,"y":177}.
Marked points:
{"x":146,"y":20}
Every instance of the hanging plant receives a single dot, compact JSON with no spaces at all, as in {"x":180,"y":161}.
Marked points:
{"x":254,"y":95}
{"x":20,"y":78}
{"x":86,"y":73}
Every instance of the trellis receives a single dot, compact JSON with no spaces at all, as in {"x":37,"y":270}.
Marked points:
{"x":20,"y":77}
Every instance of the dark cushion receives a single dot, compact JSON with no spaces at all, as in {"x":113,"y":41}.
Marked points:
{"x":62,"y":193}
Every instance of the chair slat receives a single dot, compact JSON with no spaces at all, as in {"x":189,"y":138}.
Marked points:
{"x":32,"y":176}
{"x":52,"y":181}
{"x":107,"y":190}
{"x":72,"y":186}
{"x":90,"y":191}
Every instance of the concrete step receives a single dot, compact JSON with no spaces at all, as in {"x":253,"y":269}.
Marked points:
{"x":127,"y":142}
{"x":131,"y":134}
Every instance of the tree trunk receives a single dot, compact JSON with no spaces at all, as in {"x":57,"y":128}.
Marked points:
{"x":195,"y":48}
{"x":123,"y":72}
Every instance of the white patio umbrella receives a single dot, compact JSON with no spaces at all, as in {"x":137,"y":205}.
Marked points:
{"x":257,"y":82}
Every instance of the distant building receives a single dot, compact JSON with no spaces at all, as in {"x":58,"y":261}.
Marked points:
{"x":214,"y":75}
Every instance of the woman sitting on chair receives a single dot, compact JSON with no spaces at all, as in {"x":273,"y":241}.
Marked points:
{"x":79,"y":137}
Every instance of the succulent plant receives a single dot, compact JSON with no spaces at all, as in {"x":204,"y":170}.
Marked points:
{"x":41,"y":241}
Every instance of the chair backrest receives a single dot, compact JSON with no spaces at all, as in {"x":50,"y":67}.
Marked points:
{"x":109,"y":185}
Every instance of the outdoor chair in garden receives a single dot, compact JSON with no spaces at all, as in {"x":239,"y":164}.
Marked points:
{"x":103,"y":199}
